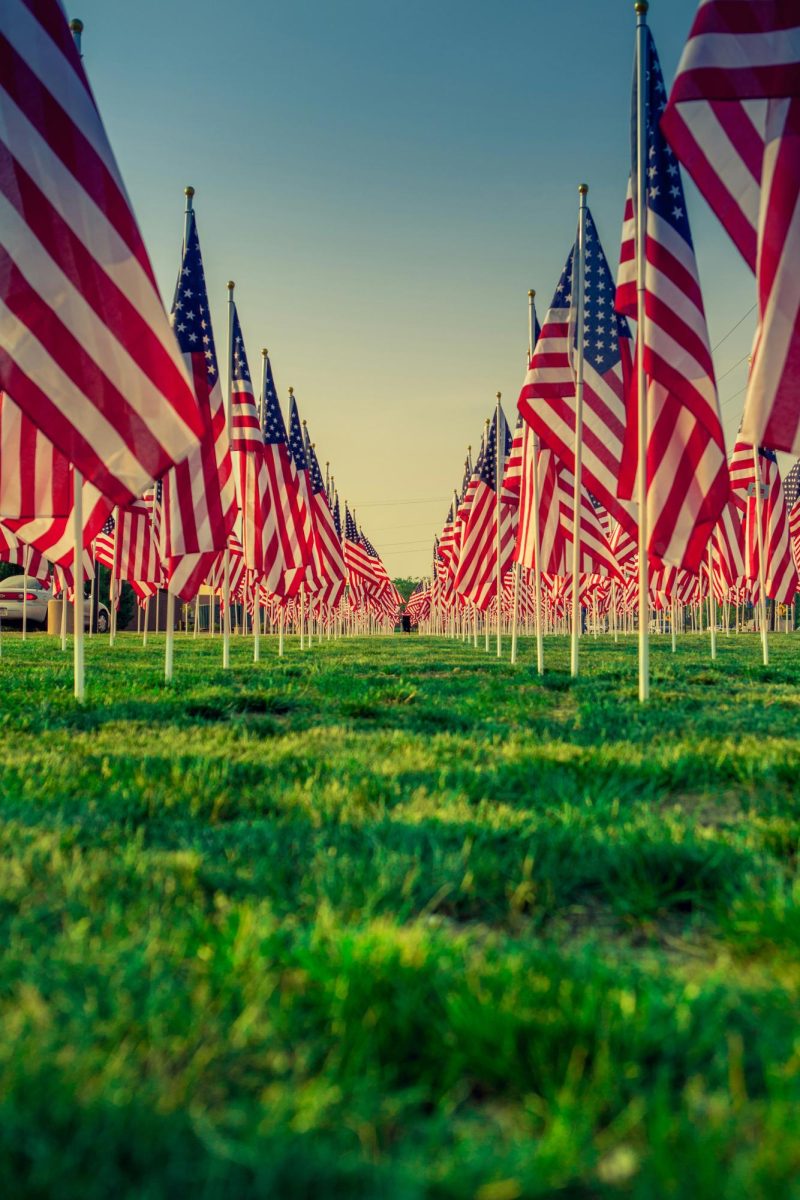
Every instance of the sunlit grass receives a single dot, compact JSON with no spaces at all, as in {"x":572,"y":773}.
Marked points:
{"x":391,"y":919}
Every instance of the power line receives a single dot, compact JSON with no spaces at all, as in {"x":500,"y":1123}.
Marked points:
{"x":732,"y":329}
{"x":733,"y":368}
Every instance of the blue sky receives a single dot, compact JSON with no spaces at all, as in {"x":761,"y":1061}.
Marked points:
{"x":384,"y":182}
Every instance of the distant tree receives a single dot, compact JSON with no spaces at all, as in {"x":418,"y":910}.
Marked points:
{"x":405,"y":586}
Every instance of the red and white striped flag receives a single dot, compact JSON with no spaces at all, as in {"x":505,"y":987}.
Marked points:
{"x":780,"y":576}
{"x":35,"y":478}
{"x":289,"y":518}
{"x":260,"y":542}
{"x":547,"y":399}
{"x":687,"y":474}
{"x":85,"y":346}
{"x":199,"y":496}
{"x":19,"y":554}
{"x":476,"y":574}
{"x":733,"y":119}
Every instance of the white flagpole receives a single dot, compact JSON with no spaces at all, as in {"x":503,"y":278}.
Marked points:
{"x":226,"y":578}
{"x":537,"y":544}
{"x":169,"y":645}
{"x":63,"y":613}
{"x":497,"y":516}
{"x":25,"y":559}
{"x":712,"y":606}
{"x":578,"y":283}
{"x":762,"y":601}
{"x":640,"y":192}
{"x":256,"y":622}
{"x":77,"y":528}
{"x":112,"y":588}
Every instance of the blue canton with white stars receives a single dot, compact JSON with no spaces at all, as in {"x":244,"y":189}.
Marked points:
{"x":109,"y":526}
{"x":274,"y":428}
{"x":296,"y":437}
{"x":603,"y":327}
{"x":191,"y":318}
{"x":488,"y":466}
{"x":368,"y":546}
{"x":350,"y":531}
{"x":241,"y":370}
{"x":337,"y":518}
{"x":314,"y":473}
{"x":664,"y":187}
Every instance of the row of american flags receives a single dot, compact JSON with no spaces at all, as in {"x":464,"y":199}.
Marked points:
{"x":113,"y":410}
{"x":716,"y":525}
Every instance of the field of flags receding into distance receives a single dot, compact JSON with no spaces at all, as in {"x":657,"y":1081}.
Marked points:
{"x":129,"y":439}
{"x":615,"y":499}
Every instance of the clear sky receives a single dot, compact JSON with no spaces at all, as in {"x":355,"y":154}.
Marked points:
{"x":384,"y":182}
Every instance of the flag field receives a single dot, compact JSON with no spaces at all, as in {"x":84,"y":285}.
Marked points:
{"x":394,"y":919}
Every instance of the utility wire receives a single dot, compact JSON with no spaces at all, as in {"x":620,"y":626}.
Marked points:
{"x":732,"y":329}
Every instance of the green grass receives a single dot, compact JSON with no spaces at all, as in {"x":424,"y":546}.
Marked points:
{"x":390,"y":919}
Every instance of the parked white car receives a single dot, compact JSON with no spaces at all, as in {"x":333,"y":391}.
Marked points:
{"x":39,"y":595}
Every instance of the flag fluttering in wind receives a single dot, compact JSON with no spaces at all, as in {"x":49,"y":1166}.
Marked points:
{"x":547,"y":399}
{"x":199,"y":495}
{"x":687,"y":476}
{"x":780,"y":576}
{"x":329,"y":546}
{"x":733,"y":119}
{"x":259,"y":536}
{"x":290,"y":519}
{"x":85,"y":346}
{"x":475,"y":576}
{"x":35,"y":478}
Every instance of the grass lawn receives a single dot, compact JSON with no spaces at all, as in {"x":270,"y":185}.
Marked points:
{"x":394,"y":920}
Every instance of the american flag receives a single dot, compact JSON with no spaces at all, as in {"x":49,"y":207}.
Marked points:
{"x":327,"y":540}
{"x":260,"y":539}
{"x":794,"y":533}
{"x":12,"y":550}
{"x":780,"y":576}
{"x":361,"y":568}
{"x":552,"y":548}
{"x":791,"y":485}
{"x":733,"y":118}
{"x":199,"y":495}
{"x":292,"y":521}
{"x":475,"y":577}
{"x":85,"y":347}
{"x":137,"y":553}
{"x":104,"y":548}
{"x":728,"y":550}
{"x":547,"y":399}
{"x":596,"y":555}
{"x":35,"y":478}
{"x":297,"y":447}
{"x":687,"y":476}
{"x":54,"y":536}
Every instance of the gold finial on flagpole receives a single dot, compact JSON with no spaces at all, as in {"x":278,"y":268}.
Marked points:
{"x":531,"y":293}
{"x":291,"y":391}
{"x":641,"y":6}
{"x":498,"y":395}
{"x":583,"y":188}
{"x":231,"y":285}
{"x":188,"y":191}
{"x":265,"y":353}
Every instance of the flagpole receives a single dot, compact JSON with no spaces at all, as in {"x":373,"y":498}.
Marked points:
{"x":577,"y":278}
{"x":226,"y":562}
{"x":76,"y":29}
{"x":77,"y":529}
{"x":762,"y":589}
{"x":25,"y":560}
{"x":537,"y":569}
{"x":498,"y":483}
{"x":112,"y":586}
{"x":640,"y":7}
{"x":263,"y":401}
{"x":712,"y":606}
